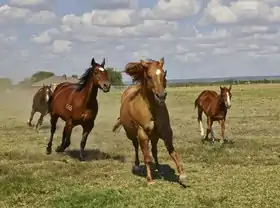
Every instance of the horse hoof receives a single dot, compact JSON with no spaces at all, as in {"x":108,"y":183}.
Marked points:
{"x":48,"y":150}
{"x":136,"y":169}
{"x":182,"y":177}
{"x":150,"y":183}
{"x":59,"y":149}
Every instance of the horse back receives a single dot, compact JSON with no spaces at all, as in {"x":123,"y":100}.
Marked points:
{"x":206,"y":99}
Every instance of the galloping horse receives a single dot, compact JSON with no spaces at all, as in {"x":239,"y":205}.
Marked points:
{"x":144,"y":115}
{"x":76,"y":104}
{"x":40,"y":104}
{"x":215,"y":107}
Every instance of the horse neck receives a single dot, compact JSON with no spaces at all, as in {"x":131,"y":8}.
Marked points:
{"x":221,"y":104}
{"x":91,"y":93}
{"x":149,"y":97}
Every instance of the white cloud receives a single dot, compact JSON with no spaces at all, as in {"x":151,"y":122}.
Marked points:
{"x":240,"y":11}
{"x":45,"y":37}
{"x":42,"y":17}
{"x":241,"y":37}
{"x":119,"y":17}
{"x":10,"y":15}
{"x":60,"y":46}
{"x":27,"y":2}
{"x":172,"y":10}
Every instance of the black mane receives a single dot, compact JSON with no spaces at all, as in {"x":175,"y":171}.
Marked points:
{"x":83,"y":80}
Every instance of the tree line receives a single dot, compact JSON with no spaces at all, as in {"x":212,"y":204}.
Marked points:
{"x":6,"y":83}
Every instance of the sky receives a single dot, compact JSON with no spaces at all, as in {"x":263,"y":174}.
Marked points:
{"x":197,"y":38}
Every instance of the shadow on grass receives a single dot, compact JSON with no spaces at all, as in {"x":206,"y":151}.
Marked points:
{"x":94,"y":154}
{"x":165,"y":172}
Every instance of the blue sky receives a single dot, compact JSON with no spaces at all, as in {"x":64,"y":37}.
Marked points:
{"x":198,"y":39}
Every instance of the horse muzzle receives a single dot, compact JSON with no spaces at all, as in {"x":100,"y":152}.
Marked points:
{"x":160,"y":97}
{"x":106,"y":87}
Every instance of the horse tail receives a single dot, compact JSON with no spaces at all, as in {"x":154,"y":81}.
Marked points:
{"x":195,"y":103}
{"x":117,"y":127}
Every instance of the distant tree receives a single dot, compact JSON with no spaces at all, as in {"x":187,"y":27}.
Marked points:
{"x":75,"y":76}
{"x":41,"y":75}
{"x":5,"y":83}
{"x":26,"y":83}
{"x":115,"y":76}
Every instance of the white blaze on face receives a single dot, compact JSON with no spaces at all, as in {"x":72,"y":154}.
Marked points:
{"x":201,"y":128}
{"x":101,"y":69}
{"x":47,"y":95}
{"x":158,"y":72}
{"x":228,"y":99}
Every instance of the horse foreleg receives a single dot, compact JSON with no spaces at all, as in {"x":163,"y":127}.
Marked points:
{"x":66,"y":137}
{"x":86,"y":131}
{"x":144,"y":144}
{"x":31,"y":117}
{"x":168,"y":141}
{"x":54,"y":119}
{"x":154,"y":142}
{"x":222,"y":124}
{"x":40,"y":120}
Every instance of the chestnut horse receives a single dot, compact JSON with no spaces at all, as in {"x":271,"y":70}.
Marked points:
{"x":76,"y":104}
{"x":40,"y":104}
{"x":144,"y":115}
{"x":215,"y":107}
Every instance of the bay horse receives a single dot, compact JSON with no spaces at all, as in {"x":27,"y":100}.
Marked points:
{"x":40,"y":104}
{"x":76,"y":104}
{"x":144,"y":115}
{"x":215,"y":107}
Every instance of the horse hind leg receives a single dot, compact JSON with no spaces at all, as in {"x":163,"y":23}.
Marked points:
{"x":29,"y":122}
{"x":199,"y":119}
{"x":40,"y":120}
{"x":208,"y":130}
{"x":66,"y":137}
{"x":54,"y":119}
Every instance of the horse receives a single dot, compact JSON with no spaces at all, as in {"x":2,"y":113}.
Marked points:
{"x":76,"y":104}
{"x":144,"y":114}
{"x":40,"y":104}
{"x":215,"y":106}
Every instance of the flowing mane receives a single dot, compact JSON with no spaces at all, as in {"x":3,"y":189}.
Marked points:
{"x":83,"y":80}
{"x":136,"y":70}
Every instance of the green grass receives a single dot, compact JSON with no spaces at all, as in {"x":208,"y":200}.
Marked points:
{"x":244,"y":174}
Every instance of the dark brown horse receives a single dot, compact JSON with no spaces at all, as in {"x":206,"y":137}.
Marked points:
{"x":144,"y":115}
{"x":215,"y":107}
{"x":40,"y":104}
{"x":77,"y":104}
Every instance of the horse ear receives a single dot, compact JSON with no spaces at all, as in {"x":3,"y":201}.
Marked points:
{"x":221,"y":88}
{"x":229,"y":88}
{"x":103,"y":63}
{"x":143,"y":63}
{"x":92,"y":62}
{"x":161,"y":61}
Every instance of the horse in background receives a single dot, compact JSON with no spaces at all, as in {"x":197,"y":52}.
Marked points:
{"x":215,"y":106}
{"x":76,"y":104}
{"x":40,"y":104}
{"x":144,"y":115}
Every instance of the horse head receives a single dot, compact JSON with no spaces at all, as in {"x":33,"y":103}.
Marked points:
{"x":226,"y":96}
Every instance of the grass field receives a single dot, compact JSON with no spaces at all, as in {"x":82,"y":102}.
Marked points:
{"x":243,"y":174}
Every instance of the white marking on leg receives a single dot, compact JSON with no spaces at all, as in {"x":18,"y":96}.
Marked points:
{"x":228,"y":99}
{"x":158,"y":72}
{"x":101,"y":69}
{"x":201,"y":128}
